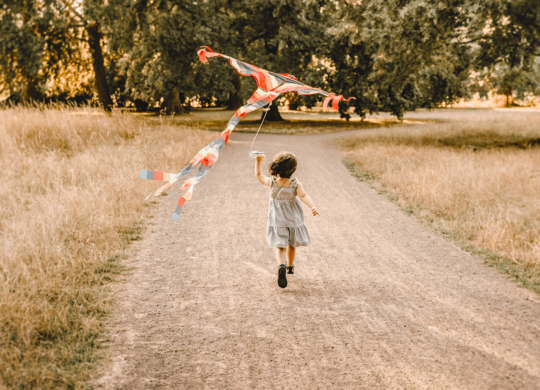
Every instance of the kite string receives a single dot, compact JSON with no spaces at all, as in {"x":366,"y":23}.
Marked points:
{"x":264,"y":117}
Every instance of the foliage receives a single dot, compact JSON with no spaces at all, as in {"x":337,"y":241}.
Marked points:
{"x":392,"y":55}
{"x":157,"y":45}
{"x":502,"y":79}
{"x":397,"y":55}
{"x":36,"y":43}
{"x":506,"y":31}
{"x":515,"y":81}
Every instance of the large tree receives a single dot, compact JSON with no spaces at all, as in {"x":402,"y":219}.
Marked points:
{"x":35,"y":43}
{"x":398,"y":55}
{"x":157,"y":44}
{"x":91,"y":17}
{"x":506,"y":31}
{"x":282,"y":36}
{"x":41,"y":39}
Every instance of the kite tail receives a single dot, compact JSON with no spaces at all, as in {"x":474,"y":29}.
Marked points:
{"x":335,"y":101}
{"x":207,"y":156}
{"x":207,"y":163}
{"x":174,"y":177}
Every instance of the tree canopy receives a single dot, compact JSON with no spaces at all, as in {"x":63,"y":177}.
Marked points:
{"x":392,"y":55}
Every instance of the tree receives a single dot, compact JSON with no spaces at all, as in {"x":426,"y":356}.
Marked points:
{"x":506,"y":31}
{"x":41,"y":39}
{"x":158,"y":44}
{"x":395,"y":55}
{"x":35,"y":43}
{"x":512,"y":82}
{"x":91,"y":19}
{"x":279,"y":35}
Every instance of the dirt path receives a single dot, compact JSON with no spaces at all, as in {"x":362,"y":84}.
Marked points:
{"x":377,"y":301}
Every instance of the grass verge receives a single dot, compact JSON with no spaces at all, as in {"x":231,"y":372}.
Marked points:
{"x":70,"y":202}
{"x":314,"y":125}
{"x":476,"y":181}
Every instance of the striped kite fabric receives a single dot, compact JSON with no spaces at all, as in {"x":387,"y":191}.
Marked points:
{"x":270,"y":86}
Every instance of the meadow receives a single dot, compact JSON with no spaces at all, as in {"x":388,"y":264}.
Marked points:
{"x":475,"y":179}
{"x":71,"y":201}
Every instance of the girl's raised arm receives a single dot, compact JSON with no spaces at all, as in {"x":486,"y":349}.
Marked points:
{"x":304,"y":197}
{"x":263,"y":179}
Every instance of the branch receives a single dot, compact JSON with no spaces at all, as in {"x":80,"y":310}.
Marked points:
{"x":470,"y":41}
{"x":256,"y":38}
{"x":473,"y":37}
{"x":82,"y":19}
{"x":80,"y":39}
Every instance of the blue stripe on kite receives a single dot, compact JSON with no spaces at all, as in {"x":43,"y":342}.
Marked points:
{"x":309,"y":92}
{"x":186,"y":170}
{"x":220,"y":142}
{"x":176,"y":215}
{"x":204,"y":169}
{"x":147,"y":175}
{"x":261,"y":103}
{"x":233,"y":121}
{"x":245,"y":68}
{"x":217,"y":141}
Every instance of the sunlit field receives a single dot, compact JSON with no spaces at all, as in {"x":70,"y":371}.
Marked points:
{"x":70,"y":201}
{"x":475,"y":178}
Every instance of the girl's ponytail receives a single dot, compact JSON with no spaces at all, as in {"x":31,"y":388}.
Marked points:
{"x":284,"y":165}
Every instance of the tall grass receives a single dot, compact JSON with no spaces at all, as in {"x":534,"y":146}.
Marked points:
{"x":70,"y":201}
{"x":477,"y":180}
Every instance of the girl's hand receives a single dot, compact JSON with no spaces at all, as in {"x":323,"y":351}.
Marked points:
{"x":315,"y":212}
{"x":260,"y":158}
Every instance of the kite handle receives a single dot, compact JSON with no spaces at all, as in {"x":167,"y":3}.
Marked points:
{"x":255,"y":154}
{"x":252,"y":153}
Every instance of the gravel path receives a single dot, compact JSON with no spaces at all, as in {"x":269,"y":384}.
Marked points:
{"x":377,"y":301}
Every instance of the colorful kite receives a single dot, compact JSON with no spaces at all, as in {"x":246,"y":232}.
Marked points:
{"x":270,"y":86}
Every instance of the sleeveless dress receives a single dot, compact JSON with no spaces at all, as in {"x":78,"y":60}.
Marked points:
{"x":286,"y":218}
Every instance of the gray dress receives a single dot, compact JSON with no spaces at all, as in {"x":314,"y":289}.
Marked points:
{"x":286,"y":218}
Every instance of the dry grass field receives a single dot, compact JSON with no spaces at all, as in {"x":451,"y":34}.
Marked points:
{"x":70,"y":201}
{"x":476,"y":179}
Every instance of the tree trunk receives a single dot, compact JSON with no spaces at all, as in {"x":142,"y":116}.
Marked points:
{"x":29,"y":91}
{"x":508,"y":104}
{"x":235,"y":100}
{"x":273,"y":115}
{"x":172,"y":104}
{"x":294,"y":101}
{"x":94,"y":41}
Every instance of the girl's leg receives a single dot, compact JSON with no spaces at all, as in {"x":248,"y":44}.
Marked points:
{"x":280,"y":255}
{"x":291,"y":250}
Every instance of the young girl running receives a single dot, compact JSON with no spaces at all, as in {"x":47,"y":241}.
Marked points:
{"x":286,"y":229}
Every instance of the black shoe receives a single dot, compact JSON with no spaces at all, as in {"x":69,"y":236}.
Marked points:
{"x":282,"y":278}
{"x":290,"y":270}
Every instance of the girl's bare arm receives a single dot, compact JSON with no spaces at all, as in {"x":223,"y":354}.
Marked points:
{"x":304,"y":197}
{"x":263,"y":179}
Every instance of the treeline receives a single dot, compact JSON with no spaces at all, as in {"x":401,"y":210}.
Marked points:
{"x":392,"y":55}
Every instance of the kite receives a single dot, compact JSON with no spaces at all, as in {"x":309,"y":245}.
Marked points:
{"x":269,"y":86}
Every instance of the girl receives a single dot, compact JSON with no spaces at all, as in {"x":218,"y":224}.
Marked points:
{"x":286,"y":229}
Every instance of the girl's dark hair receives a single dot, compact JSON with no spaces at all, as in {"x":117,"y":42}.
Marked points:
{"x":284,"y":165}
